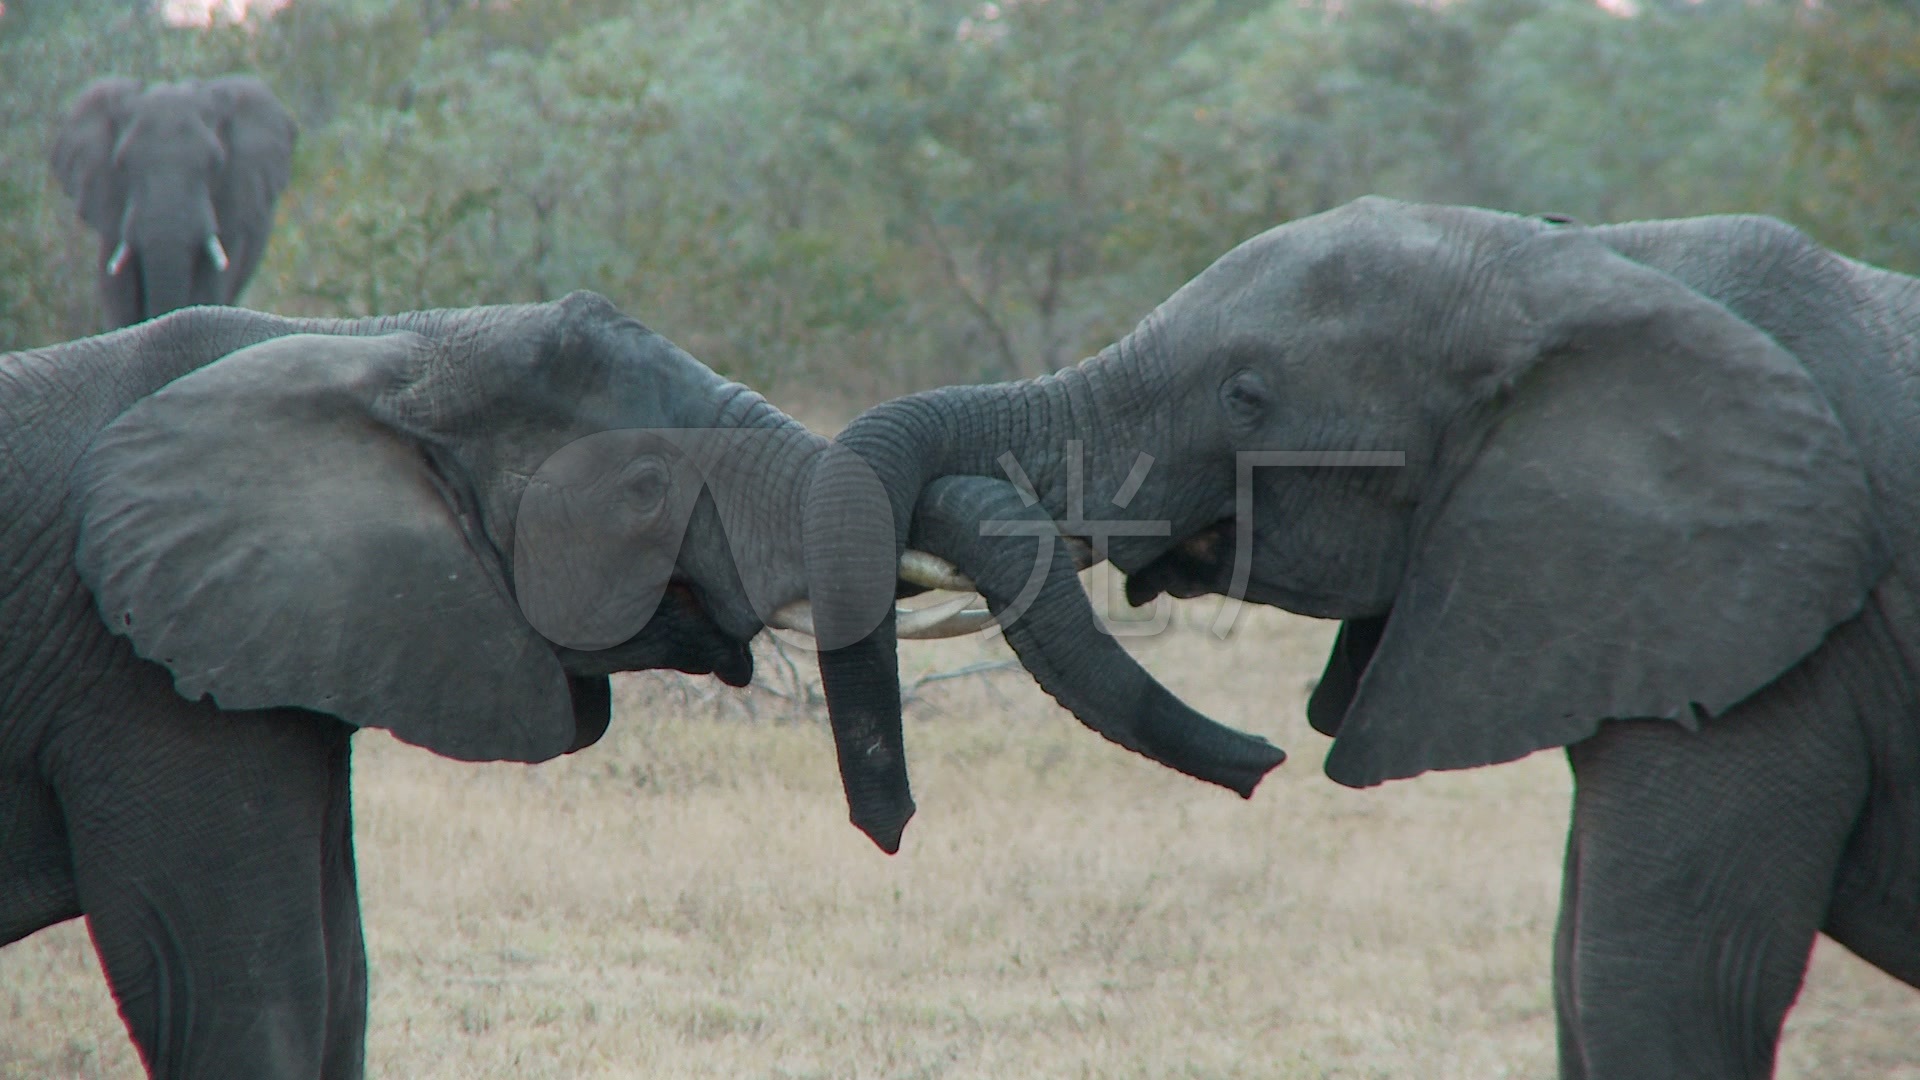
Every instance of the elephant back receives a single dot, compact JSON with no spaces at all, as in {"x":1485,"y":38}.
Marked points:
{"x":1850,"y":325}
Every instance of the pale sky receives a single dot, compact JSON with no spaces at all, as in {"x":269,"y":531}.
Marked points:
{"x":200,"y":12}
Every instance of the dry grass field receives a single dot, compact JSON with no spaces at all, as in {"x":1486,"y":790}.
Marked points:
{"x":686,"y":899}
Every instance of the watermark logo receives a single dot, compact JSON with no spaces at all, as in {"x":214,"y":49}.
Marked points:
{"x":1109,"y":600}
{"x":603,"y":525}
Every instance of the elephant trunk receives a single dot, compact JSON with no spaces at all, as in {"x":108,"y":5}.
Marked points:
{"x":812,"y":515}
{"x":176,"y":251}
{"x":1020,"y":431}
{"x":166,"y":278}
{"x":901,"y":446}
{"x":969,"y":431}
{"x":1056,"y":636}
{"x":851,"y":551}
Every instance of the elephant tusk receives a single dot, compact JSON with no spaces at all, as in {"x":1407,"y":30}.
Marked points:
{"x":797,"y":617}
{"x":932,"y":572}
{"x":951,"y":619}
{"x":217,"y":253}
{"x":118,"y":260}
{"x":966,"y":620}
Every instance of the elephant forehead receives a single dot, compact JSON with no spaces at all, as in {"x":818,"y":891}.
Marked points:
{"x":166,"y":127}
{"x":586,"y":355}
{"x":169,"y":107}
{"x":1341,"y":251}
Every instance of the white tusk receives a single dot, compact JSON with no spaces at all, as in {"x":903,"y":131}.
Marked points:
{"x":951,"y":619}
{"x":932,"y":571}
{"x":959,"y":624}
{"x":118,"y":260}
{"x":923,"y":622}
{"x":217,"y":253}
{"x":797,"y":617}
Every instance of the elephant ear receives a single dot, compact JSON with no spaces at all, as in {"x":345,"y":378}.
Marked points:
{"x":1663,"y":516}
{"x":82,"y":157}
{"x":259,"y":135}
{"x":271,"y":532}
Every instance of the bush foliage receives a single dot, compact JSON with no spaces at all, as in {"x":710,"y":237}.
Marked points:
{"x":870,"y":196}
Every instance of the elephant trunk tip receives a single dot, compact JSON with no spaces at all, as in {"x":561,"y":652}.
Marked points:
{"x":1242,"y":777}
{"x":885,"y":828}
{"x":1173,"y":734}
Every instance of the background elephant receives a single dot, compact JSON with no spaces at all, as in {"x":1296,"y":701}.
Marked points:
{"x":179,"y":180}
{"x":1658,"y":506}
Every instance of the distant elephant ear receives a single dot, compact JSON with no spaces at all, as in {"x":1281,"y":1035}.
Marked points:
{"x":269,"y":530}
{"x":1663,"y":516}
{"x":259,"y":135}
{"x":82,"y":157}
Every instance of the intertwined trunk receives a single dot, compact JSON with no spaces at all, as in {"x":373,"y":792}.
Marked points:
{"x":913,"y":443}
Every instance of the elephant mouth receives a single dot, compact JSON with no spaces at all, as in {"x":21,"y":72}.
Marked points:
{"x":718,"y":653}
{"x":1202,"y":563}
{"x":1195,"y":565}
{"x":682,"y":635}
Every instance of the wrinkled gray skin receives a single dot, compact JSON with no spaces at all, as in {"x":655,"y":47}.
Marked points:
{"x":1660,"y":506}
{"x":163,"y":169}
{"x":232,"y":539}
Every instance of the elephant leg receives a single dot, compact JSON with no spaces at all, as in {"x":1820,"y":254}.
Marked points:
{"x":1698,"y":872}
{"x":345,"y":1057}
{"x":1572,"y":1065}
{"x":36,"y":877}
{"x":198,"y":856}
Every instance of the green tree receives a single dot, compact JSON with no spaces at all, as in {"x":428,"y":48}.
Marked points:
{"x":1848,"y":80}
{"x":1659,"y":115}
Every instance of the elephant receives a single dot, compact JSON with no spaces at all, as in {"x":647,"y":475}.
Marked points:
{"x":179,"y":180}
{"x":1645,"y":492}
{"x":234,"y":539}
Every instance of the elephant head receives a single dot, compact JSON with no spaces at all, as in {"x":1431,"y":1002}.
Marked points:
{"x":179,"y":180}
{"x":1542,"y":485}
{"x":455,"y":524}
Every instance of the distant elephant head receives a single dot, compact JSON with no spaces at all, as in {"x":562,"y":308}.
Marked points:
{"x":179,"y":180}
{"x":1542,"y":484}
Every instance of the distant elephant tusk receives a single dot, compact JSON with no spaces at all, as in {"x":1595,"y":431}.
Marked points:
{"x":951,"y":619}
{"x":118,"y":260}
{"x":217,"y":253}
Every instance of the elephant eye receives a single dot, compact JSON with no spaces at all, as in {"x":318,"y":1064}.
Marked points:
{"x":644,"y":486}
{"x":1245,"y":397}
